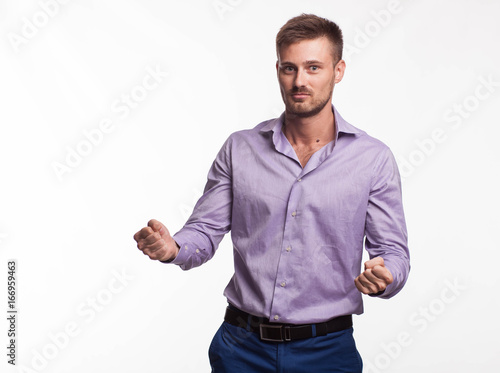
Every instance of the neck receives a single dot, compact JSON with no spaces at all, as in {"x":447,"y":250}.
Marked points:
{"x":307,"y":131}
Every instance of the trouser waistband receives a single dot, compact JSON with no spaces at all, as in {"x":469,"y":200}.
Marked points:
{"x":275,"y":332}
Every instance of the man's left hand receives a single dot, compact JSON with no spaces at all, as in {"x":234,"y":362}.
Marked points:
{"x":375,"y":278}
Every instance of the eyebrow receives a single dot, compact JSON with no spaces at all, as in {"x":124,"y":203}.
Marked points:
{"x":314,"y":62}
{"x":308,"y":62}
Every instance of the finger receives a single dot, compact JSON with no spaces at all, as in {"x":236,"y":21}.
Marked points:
{"x":152,"y":245}
{"x":143,"y":233}
{"x":374,"y":262}
{"x":158,"y":245}
{"x":365,"y":286}
{"x":160,"y":228}
{"x":360,"y":287}
{"x":154,"y":255}
{"x":137,"y":236}
{"x":155,"y":225}
{"x":382,"y":273}
{"x":151,"y":239}
{"x":157,"y":253}
{"x":378,"y":283}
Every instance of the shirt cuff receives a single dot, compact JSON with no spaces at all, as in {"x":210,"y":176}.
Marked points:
{"x":182,"y":255}
{"x":191,"y":253}
{"x":394,"y":287}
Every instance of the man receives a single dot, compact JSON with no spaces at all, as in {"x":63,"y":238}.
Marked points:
{"x":299,"y":193}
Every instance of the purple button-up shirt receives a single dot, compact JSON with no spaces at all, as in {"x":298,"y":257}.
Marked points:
{"x":298,"y":232}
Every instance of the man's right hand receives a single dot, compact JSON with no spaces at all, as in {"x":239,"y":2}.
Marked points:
{"x":155,"y":241}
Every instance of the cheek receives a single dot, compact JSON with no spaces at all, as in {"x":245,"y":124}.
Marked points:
{"x":284,"y":82}
{"x":327,"y":85}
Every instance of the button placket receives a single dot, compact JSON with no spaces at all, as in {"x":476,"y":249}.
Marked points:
{"x":280,"y":296}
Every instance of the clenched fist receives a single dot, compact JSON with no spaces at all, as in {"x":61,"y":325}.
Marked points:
{"x":155,"y":241}
{"x":375,"y":278}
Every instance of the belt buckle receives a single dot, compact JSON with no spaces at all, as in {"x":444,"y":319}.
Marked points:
{"x":264,"y":334}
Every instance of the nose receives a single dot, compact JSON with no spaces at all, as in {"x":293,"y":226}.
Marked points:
{"x":300,"y":78}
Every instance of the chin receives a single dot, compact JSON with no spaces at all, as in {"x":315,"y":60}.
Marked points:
{"x":303,"y":111}
{"x":299,"y":107}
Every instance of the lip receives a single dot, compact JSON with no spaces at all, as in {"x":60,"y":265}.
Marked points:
{"x":300,"y":95}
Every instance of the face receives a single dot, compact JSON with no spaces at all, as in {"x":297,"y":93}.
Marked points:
{"x":307,"y":75}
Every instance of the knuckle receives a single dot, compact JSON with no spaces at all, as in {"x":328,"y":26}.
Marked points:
{"x":154,"y":224}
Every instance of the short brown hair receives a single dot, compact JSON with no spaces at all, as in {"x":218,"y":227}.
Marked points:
{"x":307,"y":27}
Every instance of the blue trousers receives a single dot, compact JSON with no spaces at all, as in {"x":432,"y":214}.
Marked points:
{"x":236,"y":350}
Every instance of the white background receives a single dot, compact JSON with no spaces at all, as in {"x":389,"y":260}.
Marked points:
{"x":415,"y":70}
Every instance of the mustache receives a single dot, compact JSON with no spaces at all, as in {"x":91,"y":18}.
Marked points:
{"x":299,"y":90}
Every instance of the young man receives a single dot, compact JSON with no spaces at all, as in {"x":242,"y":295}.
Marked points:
{"x":300,"y":194}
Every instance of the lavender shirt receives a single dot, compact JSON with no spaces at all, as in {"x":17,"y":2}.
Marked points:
{"x":298,"y":232}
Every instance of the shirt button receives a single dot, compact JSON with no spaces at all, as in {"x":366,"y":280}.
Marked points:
{"x":288,"y":249}
{"x":283,"y":284}
{"x":300,"y":179}
{"x":276,"y":317}
{"x":294,"y":213}
{"x":197,"y":251}
{"x":186,"y":247}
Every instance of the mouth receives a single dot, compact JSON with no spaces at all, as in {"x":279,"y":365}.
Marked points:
{"x":300,"y":95}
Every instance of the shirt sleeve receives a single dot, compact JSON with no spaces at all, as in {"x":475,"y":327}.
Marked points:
{"x":385,"y":229}
{"x":211,"y":218}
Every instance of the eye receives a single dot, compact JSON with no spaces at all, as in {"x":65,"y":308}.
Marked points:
{"x":288,"y":69}
{"x":314,"y":68}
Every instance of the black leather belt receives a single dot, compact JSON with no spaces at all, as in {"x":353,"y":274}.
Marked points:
{"x":274,"y":332}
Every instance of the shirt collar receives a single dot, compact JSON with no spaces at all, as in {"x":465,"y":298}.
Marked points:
{"x":341,"y":127}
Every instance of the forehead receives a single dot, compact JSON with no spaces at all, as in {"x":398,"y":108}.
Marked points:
{"x":319,"y":49}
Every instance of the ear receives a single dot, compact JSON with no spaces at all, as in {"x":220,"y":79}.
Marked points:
{"x":339,"y":71}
